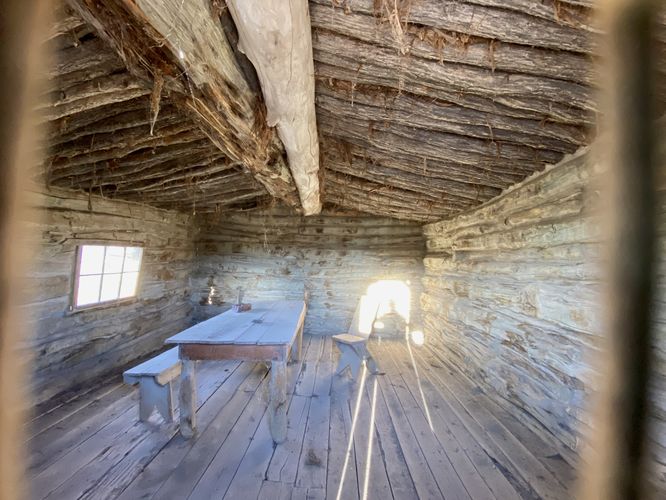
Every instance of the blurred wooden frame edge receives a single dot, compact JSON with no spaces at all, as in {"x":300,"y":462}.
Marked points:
{"x":22,"y":24}
{"x":617,"y":460}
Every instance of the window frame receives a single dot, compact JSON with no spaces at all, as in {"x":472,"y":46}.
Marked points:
{"x":73,"y":308}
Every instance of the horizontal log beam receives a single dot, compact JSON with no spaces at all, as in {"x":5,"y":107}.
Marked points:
{"x":125,"y":174}
{"x":82,"y":62}
{"x":228,"y":182}
{"x":84,"y":119}
{"x":129,"y":143}
{"x":453,"y":200}
{"x":487,"y":22}
{"x":366,"y":196}
{"x":384,"y":105}
{"x":203,"y":200}
{"x":499,"y":178}
{"x":76,"y":128}
{"x":446,"y":46}
{"x":423,"y":144}
{"x":134,"y":162}
{"x":395,"y":82}
{"x":432,"y":186}
{"x":210,"y":171}
{"x":578,"y":16}
{"x":92,"y":94}
{"x":513,"y":90}
{"x":123,"y":141}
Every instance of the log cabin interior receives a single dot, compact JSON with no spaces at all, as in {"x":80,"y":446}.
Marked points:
{"x":343,"y":249}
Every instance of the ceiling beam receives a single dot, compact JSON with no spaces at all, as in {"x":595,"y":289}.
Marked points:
{"x":182,"y":46}
{"x":276,"y":37}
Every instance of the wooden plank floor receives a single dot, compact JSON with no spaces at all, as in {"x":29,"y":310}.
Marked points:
{"x":418,"y":430}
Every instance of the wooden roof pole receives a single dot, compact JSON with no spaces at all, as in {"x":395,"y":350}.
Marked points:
{"x":276,"y":37}
{"x":183,"y":45}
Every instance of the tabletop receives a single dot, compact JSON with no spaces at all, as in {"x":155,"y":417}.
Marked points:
{"x":267,"y":323}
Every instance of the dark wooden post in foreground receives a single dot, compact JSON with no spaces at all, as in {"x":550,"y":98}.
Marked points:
{"x":616,"y":469}
{"x":21,"y":24}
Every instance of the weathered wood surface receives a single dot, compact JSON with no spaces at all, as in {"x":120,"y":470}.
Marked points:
{"x":494,"y":21}
{"x":445,"y":45}
{"x":108,"y":131}
{"x":164,"y":367}
{"x":276,"y":256}
{"x":277,"y":39}
{"x":267,"y":323}
{"x":182,"y":48}
{"x":469,"y":90}
{"x":511,"y":290}
{"x":424,"y":109}
{"x":371,"y":439}
{"x":72,"y":349}
{"x":187,"y":398}
{"x":153,"y":395}
{"x":277,"y":401}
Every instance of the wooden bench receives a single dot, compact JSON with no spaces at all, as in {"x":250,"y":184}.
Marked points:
{"x":155,"y":378}
{"x":353,"y":345}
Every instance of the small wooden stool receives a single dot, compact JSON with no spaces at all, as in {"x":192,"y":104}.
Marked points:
{"x":353,"y":352}
{"x":353,"y":345}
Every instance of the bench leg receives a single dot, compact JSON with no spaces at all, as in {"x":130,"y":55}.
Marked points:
{"x":277,"y":406}
{"x":348,"y":358}
{"x":153,"y":395}
{"x":372,"y":365}
{"x":166,"y":405}
{"x":188,"y":399}
{"x":352,"y":356}
{"x":342,"y":362}
{"x":369,"y":360}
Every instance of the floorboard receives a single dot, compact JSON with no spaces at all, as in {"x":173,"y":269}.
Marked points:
{"x":418,"y":430}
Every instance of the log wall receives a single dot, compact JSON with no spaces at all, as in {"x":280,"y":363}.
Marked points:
{"x":276,"y":255}
{"x":511,"y":296}
{"x":70,"y":349}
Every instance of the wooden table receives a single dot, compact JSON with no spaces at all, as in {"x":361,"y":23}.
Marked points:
{"x":268,"y":332}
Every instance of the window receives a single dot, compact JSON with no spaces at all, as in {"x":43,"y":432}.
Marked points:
{"x":106,"y":274}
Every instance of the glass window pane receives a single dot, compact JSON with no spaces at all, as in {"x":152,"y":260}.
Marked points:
{"x":92,"y":259}
{"x":133,"y":258}
{"x":88,"y":292}
{"x":113,"y":262}
{"x":128,"y":287}
{"x":110,"y":287}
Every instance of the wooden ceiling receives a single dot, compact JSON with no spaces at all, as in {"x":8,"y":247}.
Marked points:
{"x":425,"y":108}
{"x":101,"y":136}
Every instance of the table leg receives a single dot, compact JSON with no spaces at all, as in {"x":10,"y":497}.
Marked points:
{"x":297,"y":350}
{"x":277,"y":406}
{"x":188,"y":399}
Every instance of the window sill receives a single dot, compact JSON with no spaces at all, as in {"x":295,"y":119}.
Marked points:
{"x":102,"y":305}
